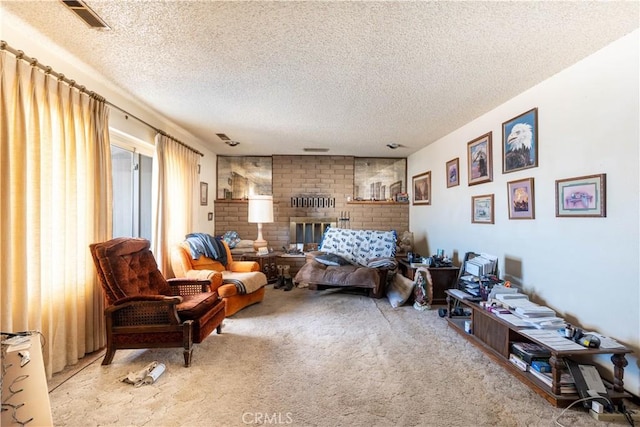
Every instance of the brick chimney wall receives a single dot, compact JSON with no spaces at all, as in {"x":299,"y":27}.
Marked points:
{"x":327,"y":176}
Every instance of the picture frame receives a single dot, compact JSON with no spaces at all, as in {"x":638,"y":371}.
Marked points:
{"x":520,"y":142}
{"x":422,"y":189}
{"x":482,"y":209}
{"x":520,"y":194}
{"x":583,"y":196}
{"x":204,"y":194}
{"x":453,"y":172}
{"x":480,"y":160}
{"x":394,"y":189}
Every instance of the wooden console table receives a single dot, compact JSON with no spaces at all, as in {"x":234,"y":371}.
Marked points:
{"x":443,"y":278}
{"x":494,"y":336}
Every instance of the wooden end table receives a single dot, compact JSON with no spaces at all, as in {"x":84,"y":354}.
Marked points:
{"x":443,"y":278}
{"x":268,"y":264}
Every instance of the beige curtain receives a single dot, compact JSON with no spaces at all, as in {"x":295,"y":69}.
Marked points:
{"x":55,"y":192}
{"x":175,"y":182}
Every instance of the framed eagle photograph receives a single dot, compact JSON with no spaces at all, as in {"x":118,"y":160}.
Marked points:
{"x":520,"y":142}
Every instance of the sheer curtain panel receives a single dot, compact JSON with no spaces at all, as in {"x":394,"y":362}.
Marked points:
{"x":55,"y":199}
{"x":175,"y":182}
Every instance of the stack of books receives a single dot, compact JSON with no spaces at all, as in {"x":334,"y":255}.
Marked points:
{"x":567,"y":384}
{"x":525,"y":354}
{"x":530,"y":352}
{"x":535,"y":359}
{"x":481,"y":265}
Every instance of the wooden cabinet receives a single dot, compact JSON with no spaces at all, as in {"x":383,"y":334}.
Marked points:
{"x":494,"y":336}
{"x":443,"y":278}
{"x":267,"y":264}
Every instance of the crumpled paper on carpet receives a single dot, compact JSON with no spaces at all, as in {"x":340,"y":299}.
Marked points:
{"x":148,"y":375}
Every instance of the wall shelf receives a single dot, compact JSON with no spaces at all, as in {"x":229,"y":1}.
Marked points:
{"x":375,"y":202}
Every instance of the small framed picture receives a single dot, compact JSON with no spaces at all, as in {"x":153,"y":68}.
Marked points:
{"x":521,"y":200}
{"x":482,"y":209}
{"x":520,"y":142}
{"x":422,"y":189}
{"x":453,"y":172}
{"x":479,"y":163}
{"x":584,"y":196}
{"x":204,"y":194}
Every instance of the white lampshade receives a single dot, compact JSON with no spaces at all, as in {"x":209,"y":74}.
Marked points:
{"x":260,"y":212}
{"x":260,"y":209}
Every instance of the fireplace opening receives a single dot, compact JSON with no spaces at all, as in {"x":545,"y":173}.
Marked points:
{"x":305,"y":233}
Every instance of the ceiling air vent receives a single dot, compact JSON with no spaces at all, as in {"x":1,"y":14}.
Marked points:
{"x":85,"y":13}
{"x":223,"y":137}
{"x":315,"y":150}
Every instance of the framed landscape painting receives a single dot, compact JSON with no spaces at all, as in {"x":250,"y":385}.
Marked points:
{"x":584,"y":196}
{"x":520,"y":142}
{"x":453,"y":172}
{"x":521,"y":201}
{"x":422,"y":189}
{"x":482,"y":209}
{"x":479,"y":163}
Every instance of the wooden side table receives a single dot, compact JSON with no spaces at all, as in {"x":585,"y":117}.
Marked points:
{"x":267,"y":264}
{"x":443,"y":278}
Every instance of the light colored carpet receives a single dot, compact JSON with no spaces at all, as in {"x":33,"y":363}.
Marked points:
{"x":312,"y":358}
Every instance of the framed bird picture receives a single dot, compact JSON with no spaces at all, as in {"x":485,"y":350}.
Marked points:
{"x":520,"y":142}
{"x":479,"y":160}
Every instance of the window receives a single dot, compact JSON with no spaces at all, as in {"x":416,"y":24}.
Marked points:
{"x":132,"y":166}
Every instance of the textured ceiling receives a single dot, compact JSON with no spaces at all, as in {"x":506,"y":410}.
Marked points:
{"x":347,"y":76}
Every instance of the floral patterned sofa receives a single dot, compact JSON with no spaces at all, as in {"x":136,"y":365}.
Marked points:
{"x":352,"y":259}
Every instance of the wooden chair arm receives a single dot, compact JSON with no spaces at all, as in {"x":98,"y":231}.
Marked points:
{"x":140,"y":312}
{"x":182,"y":286}
{"x":213,"y":276}
{"x":142,"y":298}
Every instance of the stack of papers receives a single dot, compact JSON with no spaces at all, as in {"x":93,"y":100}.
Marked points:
{"x":460,"y":294}
{"x":545,"y":322}
{"x":535,"y":311}
{"x":501,"y":289}
{"x":552,"y":339}
{"x":514,"y":320}
{"x":515,"y":295}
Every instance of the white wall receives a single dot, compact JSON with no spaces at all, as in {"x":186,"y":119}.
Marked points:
{"x":19,"y":35}
{"x":587,"y":269}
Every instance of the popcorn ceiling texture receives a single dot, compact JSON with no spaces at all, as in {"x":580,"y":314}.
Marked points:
{"x":348,"y":76}
{"x":313,"y":358}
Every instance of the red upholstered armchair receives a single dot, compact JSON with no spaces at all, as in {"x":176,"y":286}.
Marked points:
{"x":144,"y":310}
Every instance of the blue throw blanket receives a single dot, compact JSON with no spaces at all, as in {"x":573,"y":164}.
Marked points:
{"x":207,"y":245}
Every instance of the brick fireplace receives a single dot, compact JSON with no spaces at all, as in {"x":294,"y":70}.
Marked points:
{"x":313,"y":177}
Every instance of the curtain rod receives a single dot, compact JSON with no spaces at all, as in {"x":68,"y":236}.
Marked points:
{"x":34,"y":62}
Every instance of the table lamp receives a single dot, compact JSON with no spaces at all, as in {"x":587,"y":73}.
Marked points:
{"x":260,"y":212}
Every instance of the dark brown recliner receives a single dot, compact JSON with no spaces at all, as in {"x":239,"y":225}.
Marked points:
{"x":144,"y":310}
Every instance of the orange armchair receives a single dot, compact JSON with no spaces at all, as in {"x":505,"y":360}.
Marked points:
{"x":243,"y":283}
{"x":144,"y":310}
